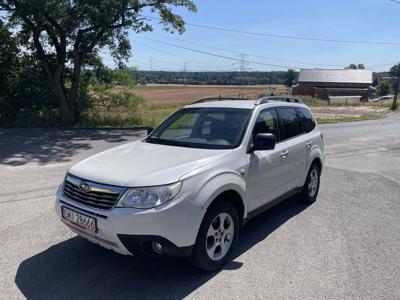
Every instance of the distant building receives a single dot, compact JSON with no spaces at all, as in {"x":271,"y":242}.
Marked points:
{"x":324,"y":83}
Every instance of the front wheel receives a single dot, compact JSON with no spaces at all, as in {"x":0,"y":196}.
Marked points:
{"x":311,"y":187}
{"x":217,"y":237}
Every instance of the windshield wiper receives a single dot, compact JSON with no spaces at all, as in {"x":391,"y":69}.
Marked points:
{"x":154,"y":140}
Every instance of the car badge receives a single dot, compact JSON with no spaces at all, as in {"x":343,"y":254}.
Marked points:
{"x":84,"y":187}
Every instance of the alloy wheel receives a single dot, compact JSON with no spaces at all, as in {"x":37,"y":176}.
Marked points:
{"x":313,"y":181}
{"x":220,"y":236}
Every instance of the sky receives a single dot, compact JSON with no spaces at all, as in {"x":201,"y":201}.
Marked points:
{"x":362,"y":20}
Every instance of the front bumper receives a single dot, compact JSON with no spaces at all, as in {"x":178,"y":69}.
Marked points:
{"x":130,"y":231}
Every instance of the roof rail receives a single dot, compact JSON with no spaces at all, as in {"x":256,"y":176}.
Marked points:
{"x":283,"y":98}
{"x":219,"y":98}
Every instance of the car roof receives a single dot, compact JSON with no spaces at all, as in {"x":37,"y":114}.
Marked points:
{"x":245,"y":104}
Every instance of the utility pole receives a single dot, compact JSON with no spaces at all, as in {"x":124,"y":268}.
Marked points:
{"x":151,"y":63}
{"x":185,"y":66}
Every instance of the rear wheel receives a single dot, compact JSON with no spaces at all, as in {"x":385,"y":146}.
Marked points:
{"x":217,"y":237}
{"x":311,"y":187}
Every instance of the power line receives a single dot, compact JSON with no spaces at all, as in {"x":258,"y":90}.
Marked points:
{"x":274,"y":58}
{"x":237,"y":60}
{"x":287,"y":36}
{"x":259,"y":56}
{"x":222,"y":56}
{"x":384,"y":65}
{"x":395,"y":1}
{"x":174,"y":55}
{"x":161,"y":61}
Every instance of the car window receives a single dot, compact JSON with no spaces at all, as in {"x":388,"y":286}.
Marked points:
{"x":210,"y":128}
{"x":267,"y":122}
{"x":289,"y":123}
{"x":307,"y":119}
{"x":207,"y":122}
{"x":183,"y":126}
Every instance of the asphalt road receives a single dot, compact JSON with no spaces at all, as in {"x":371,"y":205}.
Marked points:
{"x":346,"y":245}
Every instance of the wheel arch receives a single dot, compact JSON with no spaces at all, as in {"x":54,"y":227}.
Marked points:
{"x":316,"y":156}
{"x":233,"y":197}
{"x":228,"y":186}
{"x":317,"y":161}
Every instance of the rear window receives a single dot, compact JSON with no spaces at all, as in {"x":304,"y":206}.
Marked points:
{"x":307,"y":119}
{"x":289,"y":123}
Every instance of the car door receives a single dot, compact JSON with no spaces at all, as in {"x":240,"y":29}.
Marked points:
{"x":267,"y":170}
{"x":294,"y":143}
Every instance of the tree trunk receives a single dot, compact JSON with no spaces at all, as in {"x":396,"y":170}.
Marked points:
{"x":396,"y":92}
{"x":66,"y":108}
{"x":73,"y":93}
{"x":67,"y":114}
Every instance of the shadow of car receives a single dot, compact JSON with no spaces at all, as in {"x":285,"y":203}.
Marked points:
{"x":77,"y":269}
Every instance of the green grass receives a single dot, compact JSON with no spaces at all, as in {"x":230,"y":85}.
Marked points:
{"x":338,"y":119}
{"x":152,"y":116}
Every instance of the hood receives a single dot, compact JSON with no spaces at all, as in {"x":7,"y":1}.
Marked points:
{"x":140,"y":164}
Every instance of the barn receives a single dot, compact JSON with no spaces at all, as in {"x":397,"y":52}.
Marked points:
{"x":327,"y":83}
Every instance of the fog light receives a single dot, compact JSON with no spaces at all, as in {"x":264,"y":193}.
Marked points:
{"x":157,"y":247}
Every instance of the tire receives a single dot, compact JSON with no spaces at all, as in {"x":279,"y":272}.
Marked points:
{"x":217,"y":237}
{"x":310,"y":189}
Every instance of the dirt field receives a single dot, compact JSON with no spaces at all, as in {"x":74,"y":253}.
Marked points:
{"x":172,"y":94}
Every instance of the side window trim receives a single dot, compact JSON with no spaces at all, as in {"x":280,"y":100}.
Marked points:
{"x":296,"y":109}
{"x":278,"y":138}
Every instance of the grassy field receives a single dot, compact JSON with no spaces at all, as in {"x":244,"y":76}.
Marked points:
{"x":162,"y":100}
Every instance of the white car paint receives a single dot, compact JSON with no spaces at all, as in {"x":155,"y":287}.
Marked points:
{"x":140,"y":164}
{"x":258,"y":177}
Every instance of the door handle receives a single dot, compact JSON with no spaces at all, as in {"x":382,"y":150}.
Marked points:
{"x":284,"y":154}
{"x":308,"y":145}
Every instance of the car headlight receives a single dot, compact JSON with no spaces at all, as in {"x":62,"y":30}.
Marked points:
{"x":149,"y":197}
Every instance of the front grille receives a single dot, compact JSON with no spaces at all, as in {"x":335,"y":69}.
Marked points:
{"x":97,"y":196}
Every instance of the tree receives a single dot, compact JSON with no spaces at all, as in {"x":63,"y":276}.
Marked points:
{"x":356,"y":67}
{"x":8,"y":56}
{"x":383,"y":88}
{"x":64,"y":34}
{"x":291,"y":76}
{"x":395,"y":72}
{"x":24,"y":90}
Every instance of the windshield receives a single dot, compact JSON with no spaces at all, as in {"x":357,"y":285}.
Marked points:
{"x":210,"y":128}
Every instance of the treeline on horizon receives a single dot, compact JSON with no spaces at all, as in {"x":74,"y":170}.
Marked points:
{"x":210,"y":78}
{"x":219,"y":78}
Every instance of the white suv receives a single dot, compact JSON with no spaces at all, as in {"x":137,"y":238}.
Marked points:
{"x":190,"y":185}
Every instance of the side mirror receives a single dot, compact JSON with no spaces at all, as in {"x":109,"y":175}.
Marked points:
{"x":264,"y":141}
{"x":150,"y":130}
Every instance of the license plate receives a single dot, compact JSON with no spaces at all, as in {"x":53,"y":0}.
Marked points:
{"x":74,"y":218}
